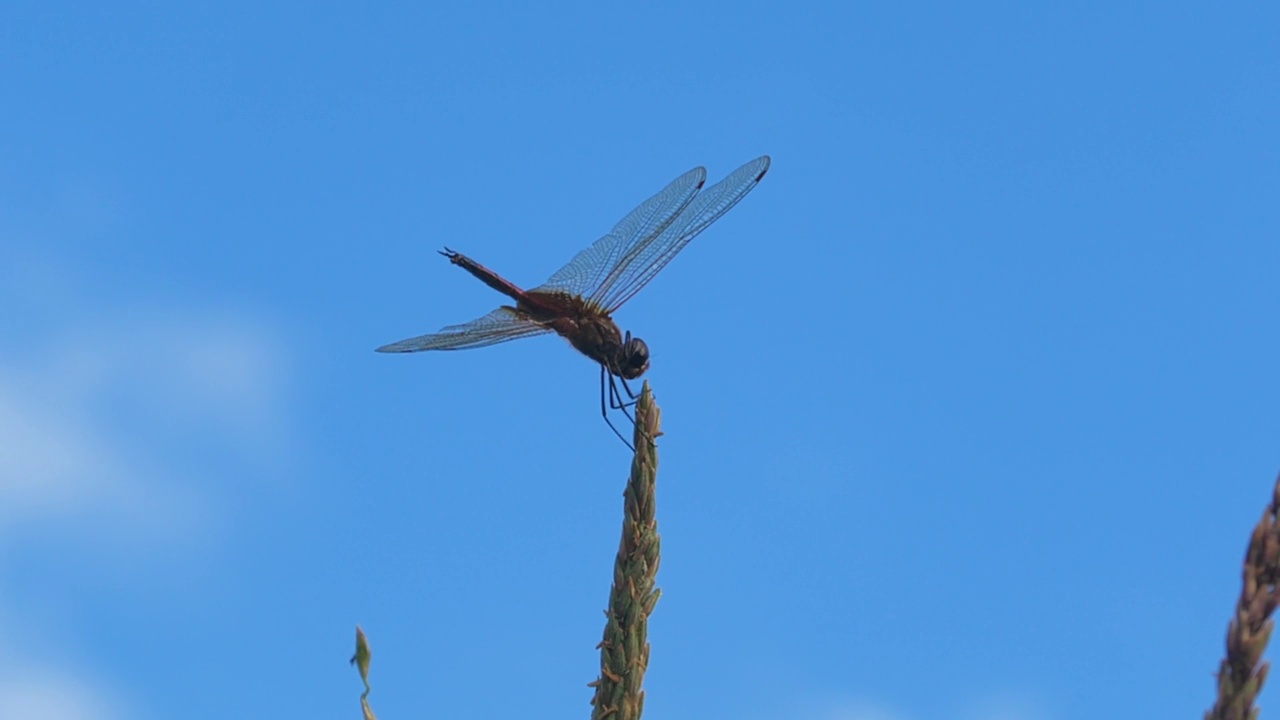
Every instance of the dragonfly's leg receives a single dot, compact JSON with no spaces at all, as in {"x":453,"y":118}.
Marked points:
{"x":634,"y":397}
{"x":615,"y":398}
{"x":607,"y":388}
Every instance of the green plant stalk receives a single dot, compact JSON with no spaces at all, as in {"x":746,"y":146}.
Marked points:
{"x":624,"y":651}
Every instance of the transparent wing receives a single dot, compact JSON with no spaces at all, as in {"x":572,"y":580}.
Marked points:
{"x":498,"y":326}
{"x":589,"y":269}
{"x":641,"y":261}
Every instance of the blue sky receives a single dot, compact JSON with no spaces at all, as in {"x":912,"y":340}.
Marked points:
{"x":969,"y":406}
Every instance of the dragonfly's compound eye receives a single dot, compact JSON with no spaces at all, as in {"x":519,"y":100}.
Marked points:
{"x":636,"y":359}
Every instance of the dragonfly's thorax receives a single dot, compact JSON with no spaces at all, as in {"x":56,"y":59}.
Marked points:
{"x":591,"y":331}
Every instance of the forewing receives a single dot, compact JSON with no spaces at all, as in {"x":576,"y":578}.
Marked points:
{"x":589,"y":269}
{"x":498,"y":326}
{"x":637,"y":266}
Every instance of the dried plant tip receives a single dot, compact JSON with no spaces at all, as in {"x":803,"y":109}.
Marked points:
{"x":363,"y":655}
{"x":1242,"y":672}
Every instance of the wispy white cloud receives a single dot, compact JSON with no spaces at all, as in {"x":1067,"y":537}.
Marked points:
{"x":90,"y":431}
{"x":116,"y":428}
{"x":50,"y":463}
{"x":51,"y":695}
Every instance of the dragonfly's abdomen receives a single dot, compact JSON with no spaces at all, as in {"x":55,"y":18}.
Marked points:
{"x":486,"y":276}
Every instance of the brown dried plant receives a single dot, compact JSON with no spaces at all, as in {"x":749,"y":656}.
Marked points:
{"x":1242,"y":673}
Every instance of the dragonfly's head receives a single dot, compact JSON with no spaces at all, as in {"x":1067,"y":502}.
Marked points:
{"x":634,"y":358}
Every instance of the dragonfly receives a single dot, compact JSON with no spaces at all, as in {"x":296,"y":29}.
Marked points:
{"x":579,"y":300}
